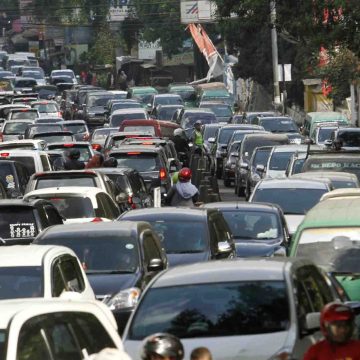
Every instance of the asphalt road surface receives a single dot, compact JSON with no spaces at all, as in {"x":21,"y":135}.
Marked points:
{"x":228,"y":193}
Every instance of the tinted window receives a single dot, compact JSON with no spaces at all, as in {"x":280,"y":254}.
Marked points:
{"x":97,"y":100}
{"x":225,"y":135}
{"x":53,"y":138}
{"x":210,"y":131}
{"x":131,"y":105}
{"x":219,"y":110}
{"x":43,"y":182}
{"x":17,"y":222}
{"x":118,"y":253}
{"x":2,"y":337}
{"x":116,"y":120}
{"x":73,"y":207}
{"x":76,"y":129}
{"x":292,"y":201}
{"x":211,"y":310}
{"x":21,"y":282}
{"x":46,"y":108}
{"x":171,"y":100}
{"x":85,"y":153}
{"x":166,"y":113}
{"x":138,"y":161}
{"x":45,"y":163}
{"x":279,"y":160}
{"x":324,"y":134}
{"x":251,"y":143}
{"x":261,"y":157}
{"x":298,"y":165}
{"x":27,"y":161}
{"x":32,"y":115}
{"x":279,"y":125}
{"x":349,"y":138}
{"x":190,"y":119}
{"x":15,"y":128}
{"x":253,"y":225}
{"x":151,"y":250}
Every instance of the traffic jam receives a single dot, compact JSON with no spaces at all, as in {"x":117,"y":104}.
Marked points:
{"x":160,"y":226}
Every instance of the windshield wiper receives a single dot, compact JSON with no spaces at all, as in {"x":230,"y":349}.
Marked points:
{"x":99,"y":272}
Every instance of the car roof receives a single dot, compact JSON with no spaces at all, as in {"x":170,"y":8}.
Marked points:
{"x":226,"y":271}
{"x":292,"y":183}
{"x":74,"y":144}
{"x":291,"y":147}
{"x":86,"y":172}
{"x":128,"y":111}
{"x":70,"y":190}
{"x":198,"y":110}
{"x":342,"y":193}
{"x":32,"y":255}
{"x":241,"y":205}
{"x":167,"y":95}
{"x":268,"y":118}
{"x":333,"y":155}
{"x":136,"y":148}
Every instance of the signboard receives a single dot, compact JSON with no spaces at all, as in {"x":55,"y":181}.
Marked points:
{"x":147,"y":50}
{"x":197,"y":11}
{"x":26,"y":16}
{"x":284,"y":69}
{"x":119,"y":10}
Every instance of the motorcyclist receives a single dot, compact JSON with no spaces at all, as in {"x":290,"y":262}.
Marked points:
{"x":72,"y":161}
{"x":162,"y":346}
{"x":337,"y":323}
{"x":183,"y":193}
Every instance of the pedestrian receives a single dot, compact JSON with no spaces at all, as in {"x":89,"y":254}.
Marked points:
{"x":162,"y":346}
{"x":95,"y":162}
{"x":337,"y":323}
{"x":201,"y":353}
{"x":110,"y":162}
{"x":72,"y":161}
{"x":123,"y":80}
{"x":183,"y":193}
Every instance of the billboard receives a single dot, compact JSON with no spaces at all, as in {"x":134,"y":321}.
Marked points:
{"x":197,"y":11}
{"x":147,"y":50}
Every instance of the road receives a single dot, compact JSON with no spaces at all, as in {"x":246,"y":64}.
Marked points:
{"x":227,"y":193}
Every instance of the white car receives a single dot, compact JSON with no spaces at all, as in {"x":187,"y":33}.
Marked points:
{"x":79,"y":204}
{"x":26,"y":144}
{"x":14,"y":129}
{"x":64,"y":72}
{"x":55,"y":329}
{"x":47,"y":108}
{"x":46,"y":271}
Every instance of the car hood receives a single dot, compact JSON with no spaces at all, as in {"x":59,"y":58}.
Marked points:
{"x":247,"y":248}
{"x":109,"y":284}
{"x":293,"y":221}
{"x":96,"y":109}
{"x":189,"y":258}
{"x":275,"y":174}
{"x":244,"y":347}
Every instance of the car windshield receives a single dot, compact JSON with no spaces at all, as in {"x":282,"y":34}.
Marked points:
{"x":146,"y":129}
{"x":15,"y":128}
{"x":261,"y":157}
{"x":24,"y":114}
{"x":166,"y":113}
{"x":219,"y":110}
{"x":53,"y":138}
{"x":17,"y":222}
{"x":225,"y":135}
{"x":213,"y":310}
{"x":279,"y":160}
{"x":25,"y":83}
{"x":117,"y":119}
{"x":85,"y":153}
{"x":76,"y":128}
{"x":324,"y":133}
{"x":171,"y":100}
{"x":252,"y":225}
{"x":73,"y":207}
{"x":46,"y":93}
{"x":97,"y":100}
{"x":348,"y":165}
{"x":210,"y":131}
{"x":179,"y":237}
{"x":33,"y":74}
{"x":46,"y":108}
{"x":349,"y":138}
{"x":190,"y":119}
{"x":141,"y":162}
{"x":44,"y":182}
{"x":279,"y":125}
{"x":118,"y":253}
{"x":298,"y":165}
{"x":186,"y":95}
{"x":125,"y":105}
{"x":337,"y":248}
{"x":21,"y":282}
{"x":293,"y":201}
{"x":63,"y":73}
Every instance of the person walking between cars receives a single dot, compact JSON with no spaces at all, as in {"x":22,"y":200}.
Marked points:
{"x":337,"y":323}
{"x":183,"y":193}
{"x":72,"y":161}
{"x":162,"y":346}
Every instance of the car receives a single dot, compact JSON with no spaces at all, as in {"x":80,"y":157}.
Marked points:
{"x":249,"y":117}
{"x":165,"y":112}
{"x":79,"y":129}
{"x":41,"y":271}
{"x":54,"y":136}
{"x":322,"y":132}
{"x":86,"y":150}
{"x":341,"y":193}
{"x":36,"y":75}
{"x":186,"y":91}
{"x":249,"y":143}
{"x":33,"y":160}
{"x":24,"y":84}
{"x":222,"y":111}
{"x":46,"y":92}
{"x":99,"y":136}
{"x":142,"y":93}
{"x":118,"y":116}
{"x":65,"y":178}
{"x":67,"y":73}
{"x":26,"y":144}
{"x":339,"y":180}
{"x":346,"y":137}
{"x":164,"y":99}
{"x":131,"y":192}
{"x":149,"y":161}
{"x":14,"y":129}
{"x":37,"y":128}
{"x":188,"y":235}
{"x":49,"y":119}
{"x":22,"y":220}
{"x":187,"y":118}
{"x":78,"y":204}
{"x":229,"y":163}
{"x":94,"y":112}
{"x":279,"y":158}
{"x":14,"y":176}
{"x":257,"y":308}
{"x":258,"y":229}
{"x":31,"y":327}
{"x":6,"y":108}
{"x":295,"y":164}
{"x":131,"y":255}
{"x":47,"y":108}
{"x":215,"y":91}
{"x":23,"y":114}
{"x":116,"y":104}
{"x":295,"y":196}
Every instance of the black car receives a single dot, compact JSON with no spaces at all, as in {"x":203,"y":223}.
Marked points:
{"x":14,"y":176}
{"x":188,"y":235}
{"x":37,"y":128}
{"x":119,"y":258}
{"x":345,"y":137}
{"x":21,"y":221}
{"x":229,"y":163}
{"x":258,"y":229}
{"x":94,"y":107}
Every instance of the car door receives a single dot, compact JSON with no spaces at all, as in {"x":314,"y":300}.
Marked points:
{"x":311,"y":293}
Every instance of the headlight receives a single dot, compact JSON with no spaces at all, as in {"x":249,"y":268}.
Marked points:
{"x":255,"y":177}
{"x":124,"y":299}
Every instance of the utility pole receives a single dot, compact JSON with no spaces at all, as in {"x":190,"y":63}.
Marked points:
{"x":274,"y":48}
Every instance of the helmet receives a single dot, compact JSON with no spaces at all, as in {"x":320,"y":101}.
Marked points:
{"x":74,"y":154}
{"x":178,"y":132}
{"x":336,"y":314}
{"x":185,"y":174}
{"x":165,"y":345}
{"x":110,"y":162}
{"x":198,"y":122}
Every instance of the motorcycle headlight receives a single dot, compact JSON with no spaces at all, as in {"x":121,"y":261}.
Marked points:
{"x":255,"y":177}
{"x":124,"y":299}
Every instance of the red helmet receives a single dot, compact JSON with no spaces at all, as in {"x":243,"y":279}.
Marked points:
{"x":185,"y":174}
{"x":336,"y":312}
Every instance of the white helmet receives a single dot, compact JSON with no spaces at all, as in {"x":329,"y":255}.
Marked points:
{"x":178,"y":132}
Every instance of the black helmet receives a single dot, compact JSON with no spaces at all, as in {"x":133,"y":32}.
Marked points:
{"x":110,"y":162}
{"x":165,"y":345}
{"x":74,"y":154}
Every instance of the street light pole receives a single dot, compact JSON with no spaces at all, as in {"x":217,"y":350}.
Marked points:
{"x":274,"y":48}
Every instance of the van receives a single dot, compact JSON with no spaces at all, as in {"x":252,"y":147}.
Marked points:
{"x":154,"y":127}
{"x":312,"y":119}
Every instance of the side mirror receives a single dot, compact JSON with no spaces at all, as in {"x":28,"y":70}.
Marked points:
{"x":328,"y":142}
{"x":312,"y":321}
{"x":155,"y":265}
{"x":244,"y":166}
{"x":224,"y":247}
{"x":211,"y":140}
{"x":260,"y":168}
{"x":121,"y":198}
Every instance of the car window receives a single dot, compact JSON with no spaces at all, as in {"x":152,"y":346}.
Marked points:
{"x":44,"y":182}
{"x":53,"y":217}
{"x":108,"y":209}
{"x":27,"y":161}
{"x":221,"y":228}
{"x":45,"y":163}
{"x":151,"y":250}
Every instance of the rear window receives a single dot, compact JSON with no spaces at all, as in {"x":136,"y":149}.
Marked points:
{"x":190,"y":119}
{"x":53,"y":138}
{"x":44,"y":183}
{"x":46,"y":108}
{"x":15,"y":128}
{"x":27,"y":161}
{"x":141,"y":162}
{"x":116,"y":120}
{"x":279,"y":160}
{"x":118,"y":106}
{"x":350,"y":138}
{"x":17,"y":222}
{"x":85,"y":153}
{"x":76,"y":128}
{"x":20,"y":115}
{"x":147,"y":129}
{"x":45,"y":128}
{"x":261,"y":157}
{"x":73,"y":207}
{"x":249,"y":145}
{"x":25,"y":83}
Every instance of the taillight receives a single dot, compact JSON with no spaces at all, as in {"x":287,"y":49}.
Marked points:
{"x":162,"y":174}
{"x":4,"y":154}
{"x":97,"y":219}
{"x":96,"y":147}
{"x":131,"y":203}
